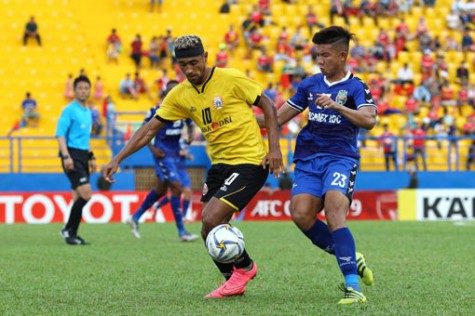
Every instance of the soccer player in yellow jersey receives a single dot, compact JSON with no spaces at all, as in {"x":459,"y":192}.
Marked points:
{"x":219,"y":101}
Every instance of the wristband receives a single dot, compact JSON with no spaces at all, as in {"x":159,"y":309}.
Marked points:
{"x":66,"y":157}
{"x":91,"y":155}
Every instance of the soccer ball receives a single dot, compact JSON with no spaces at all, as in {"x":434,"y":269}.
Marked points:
{"x":225,"y":243}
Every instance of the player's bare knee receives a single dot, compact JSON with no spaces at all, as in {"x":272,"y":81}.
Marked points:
{"x":303,"y":220}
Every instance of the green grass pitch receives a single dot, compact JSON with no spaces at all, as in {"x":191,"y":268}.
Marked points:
{"x":421,"y":268}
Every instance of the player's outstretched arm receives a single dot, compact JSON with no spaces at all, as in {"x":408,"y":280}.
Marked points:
{"x":139,"y":139}
{"x":274,"y":156}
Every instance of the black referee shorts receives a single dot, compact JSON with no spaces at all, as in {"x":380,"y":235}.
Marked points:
{"x":235,"y":185}
{"x":80,"y":174}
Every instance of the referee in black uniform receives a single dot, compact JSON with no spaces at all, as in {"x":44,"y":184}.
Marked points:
{"x":73,"y":133}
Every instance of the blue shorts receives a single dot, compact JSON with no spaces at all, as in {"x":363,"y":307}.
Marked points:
{"x":166,"y":169}
{"x":325,"y":173}
{"x":185,"y":180}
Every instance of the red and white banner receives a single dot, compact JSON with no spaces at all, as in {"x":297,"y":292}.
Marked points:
{"x":366,"y":205}
{"x":107,"y":207}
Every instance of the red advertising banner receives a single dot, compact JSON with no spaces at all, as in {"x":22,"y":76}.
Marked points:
{"x":107,"y":207}
{"x":366,"y":205}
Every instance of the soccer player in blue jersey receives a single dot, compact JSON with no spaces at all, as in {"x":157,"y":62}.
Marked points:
{"x":185,"y":180}
{"x":166,"y":154}
{"x":326,"y":154}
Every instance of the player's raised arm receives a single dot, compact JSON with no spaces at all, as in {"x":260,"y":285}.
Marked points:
{"x":140,"y":138}
{"x":274,"y":156}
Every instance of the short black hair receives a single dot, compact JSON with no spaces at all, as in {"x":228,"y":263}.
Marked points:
{"x":171,"y":84}
{"x":333,"y":35}
{"x":81,"y":79}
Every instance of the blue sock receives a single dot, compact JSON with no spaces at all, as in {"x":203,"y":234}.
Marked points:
{"x":186,"y":205}
{"x":151,"y":198}
{"x":163,"y":202}
{"x":177,"y":212}
{"x":345,"y":252}
{"x":320,"y":236}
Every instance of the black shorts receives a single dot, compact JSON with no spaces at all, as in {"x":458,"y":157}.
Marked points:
{"x":80,"y":174}
{"x":234,"y":185}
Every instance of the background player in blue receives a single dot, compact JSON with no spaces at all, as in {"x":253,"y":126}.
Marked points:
{"x":73,"y":133}
{"x":166,"y":152}
{"x":326,"y":154}
{"x":185,"y":180}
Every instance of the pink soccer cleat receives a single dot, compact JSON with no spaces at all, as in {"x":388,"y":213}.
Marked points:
{"x":236,"y":285}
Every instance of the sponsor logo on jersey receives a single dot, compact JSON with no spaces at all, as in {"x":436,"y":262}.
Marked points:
{"x":216,"y":125}
{"x":341,"y":97}
{"x":218,"y":103}
{"x":205,"y":189}
{"x":192,"y":109}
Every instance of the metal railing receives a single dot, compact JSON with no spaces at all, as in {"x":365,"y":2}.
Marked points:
{"x":40,"y":153}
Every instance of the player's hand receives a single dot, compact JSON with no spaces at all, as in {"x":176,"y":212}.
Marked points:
{"x":324,"y":101}
{"x":109,"y":170}
{"x":274,"y":160}
{"x":68,"y":163}
{"x":158,"y":153}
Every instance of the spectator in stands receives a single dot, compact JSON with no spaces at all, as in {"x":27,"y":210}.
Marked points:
{"x":257,"y":15}
{"x":271,"y":92}
{"x":127,"y":88}
{"x":31,"y":30}
{"x":30,"y":111}
{"x":405,"y":75}
{"x":96,"y":119}
{"x":388,"y":142}
{"x":231,"y":38}
{"x":113,"y":46}
{"x":141,"y":86}
{"x":256,"y":42}
{"x":159,"y":5}
{"x":413,"y":179}
{"x":247,"y":27}
{"x":225,"y":7}
{"x":68,"y":89}
{"x":369,"y":9}
{"x":98,"y":89}
{"x":462,"y":73}
{"x":153,"y":52}
{"x":338,"y":7}
{"x":170,"y":40}
{"x":265,"y":63}
{"x":110,"y":114}
{"x":311,"y":19}
{"x":422,"y":94}
{"x":282,"y":51}
{"x":419,"y":145}
{"x":411,"y":105}
{"x":136,"y":47}
{"x":447,"y":95}
{"x":163,"y":50}
{"x":469,"y":126}
{"x":385,"y":108}
{"x":471,"y":155}
{"x":298,"y":41}
{"x":162,"y":82}
{"x":467,"y":41}
{"x":222,"y":56}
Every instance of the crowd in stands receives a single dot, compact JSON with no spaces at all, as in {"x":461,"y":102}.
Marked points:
{"x":417,"y":64}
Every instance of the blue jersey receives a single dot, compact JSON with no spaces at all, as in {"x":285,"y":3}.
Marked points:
{"x":327,"y":131}
{"x":167,"y":139}
{"x":75,"y":125}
